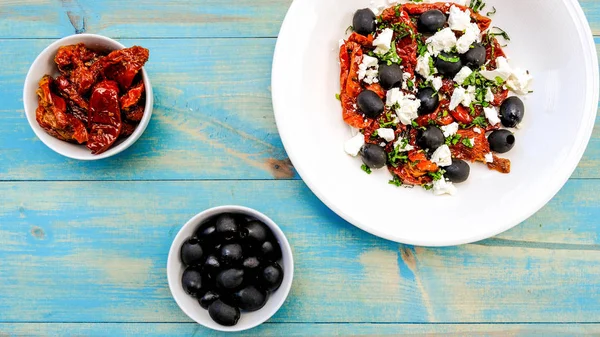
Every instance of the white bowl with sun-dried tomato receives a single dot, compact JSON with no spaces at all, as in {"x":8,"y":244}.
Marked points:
{"x":72,"y":144}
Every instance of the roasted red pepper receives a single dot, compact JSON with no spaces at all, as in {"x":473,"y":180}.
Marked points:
{"x":105,"y":116}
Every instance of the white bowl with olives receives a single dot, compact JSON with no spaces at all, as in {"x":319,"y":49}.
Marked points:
{"x":230,"y":268}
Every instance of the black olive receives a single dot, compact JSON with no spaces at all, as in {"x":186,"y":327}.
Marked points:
{"x":271,"y":277}
{"x":208,"y":299}
{"x":390,"y":76}
{"x":191,"y":252}
{"x":431,"y":21}
{"x":230,"y":279}
{"x":475,"y":57}
{"x":250,"y":298}
{"x":512,"y":111}
{"x":430,"y":100}
{"x":431,"y":138}
{"x":270,"y":251}
{"x":370,"y":103}
{"x":212,"y":265}
{"x":207,"y":234}
{"x":231,"y":253}
{"x":448,"y":64}
{"x":256,"y":232}
{"x":501,"y":141}
{"x":373,"y":156}
{"x":458,"y":172}
{"x":251,"y":265}
{"x":227,"y":226}
{"x":364,"y":21}
{"x":224,"y":314}
{"x":191,"y":281}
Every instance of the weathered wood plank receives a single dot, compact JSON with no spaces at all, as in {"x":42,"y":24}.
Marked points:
{"x":301,"y":330}
{"x":149,"y":18}
{"x":96,"y":252}
{"x":212,"y":120}
{"x":156,"y":18}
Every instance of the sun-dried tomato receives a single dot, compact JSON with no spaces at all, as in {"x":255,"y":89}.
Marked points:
{"x":105,"y":116}
{"x":52,"y":115}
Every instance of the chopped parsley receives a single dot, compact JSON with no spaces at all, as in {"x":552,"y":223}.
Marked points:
{"x":391,"y":57}
{"x":366,"y":169}
{"x":395,"y":156}
{"x":479,"y":121}
{"x":467,"y":142}
{"x":396,"y":181}
{"x":428,"y":187}
{"x":453,"y":140}
{"x":492,"y":12}
{"x":437,"y":175}
{"x":477,"y":5}
{"x":337,"y":96}
{"x":452,"y":59}
{"x":410,"y":84}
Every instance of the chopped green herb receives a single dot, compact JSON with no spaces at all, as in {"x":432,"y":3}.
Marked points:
{"x":396,"y":181}
{"x":479,"y":121}
{"x":337,"y":96}
{"x":437,"y":175}
{"x":453,"y":140}
{"x":499,"y":81}
{"x":499,"y":32}
{"x":428,"y":187}
{"x":477,"y":5}
{"x":350,"y":28}
{"x":492,"y":12}
{"x":452,"y":59}
{"x":467,"y":142}
{"x":366,"y":169}
{"x":391,"y":57}
{"x":410,"y":84}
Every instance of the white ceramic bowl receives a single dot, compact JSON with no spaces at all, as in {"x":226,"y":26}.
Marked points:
{"x":551,"y":38}
{"x":44,"y":65}
{"x":190,"y":305}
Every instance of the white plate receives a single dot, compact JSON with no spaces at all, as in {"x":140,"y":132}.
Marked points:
{"x":551,"y":38}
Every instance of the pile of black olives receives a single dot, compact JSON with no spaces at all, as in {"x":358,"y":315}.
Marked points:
{"x":233,"y":264}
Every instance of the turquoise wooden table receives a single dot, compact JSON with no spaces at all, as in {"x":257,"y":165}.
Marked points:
{"x":83,"y":246}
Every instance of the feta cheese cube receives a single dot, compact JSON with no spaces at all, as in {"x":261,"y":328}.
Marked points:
{"x":460,"y":96}
{"x":408,"y":105}
{"x":409,"y":109}
{"x":441,"y":187}
{"x":387,"y":134}
{"x":489,"y":95}
{"x":423,"y":67}
{"x":492,"y":115}
{"x":477,"y":130}
{"x":450,"y":129}
{"x":437,"y":83}
{"x":393,"y":96}
{"x":462,"y":75}
{"x":354,"y":144}
{"x":520,"y":82}
{"x":444,"y":40}
{"x":383,"y":41}
{"x":368,"y":70}
{"x":459,"y":20}
{"x":471,"y":35}
{"x":489,"y":158}
{"x":442,"y":156}
{"x":503,"y":70}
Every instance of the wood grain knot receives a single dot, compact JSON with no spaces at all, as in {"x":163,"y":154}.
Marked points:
{"x":38,"y":232}
{"x":281,"y":169}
